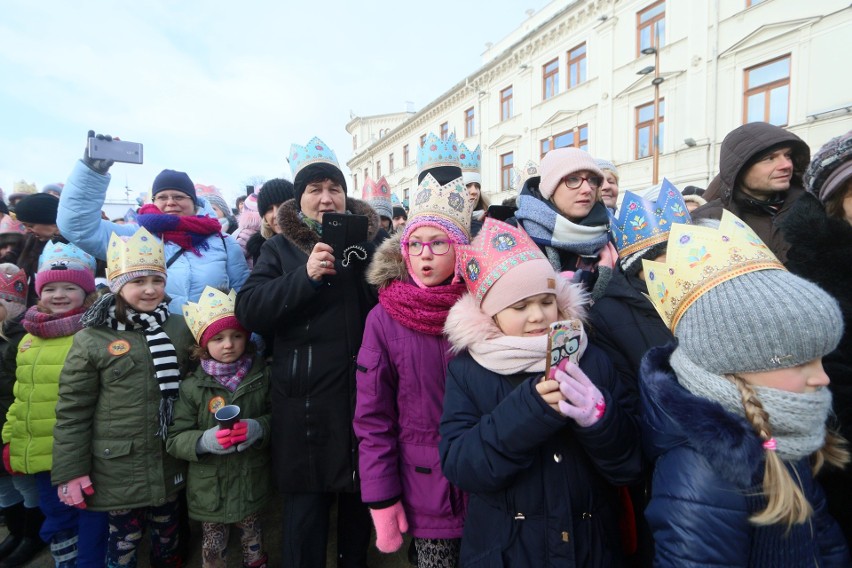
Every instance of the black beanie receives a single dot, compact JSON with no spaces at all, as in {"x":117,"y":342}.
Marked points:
{"x":399,"y":211}
{"x":316,"y":172}
{"x":38,"y":208}
{"x":442,"y":174}
{"x":172,"y":179}
{"x":274,"y":192}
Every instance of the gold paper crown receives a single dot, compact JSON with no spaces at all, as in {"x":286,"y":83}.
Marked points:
{"x":699,"y":258}
{"x":212,"y":306}
{"x":141,"y":251}
{"x":449,"y":202}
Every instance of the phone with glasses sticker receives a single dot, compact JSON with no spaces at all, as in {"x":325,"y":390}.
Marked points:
{"x":565,"y":340}
{"x":115,"y":150}
{"x":342,"y":230}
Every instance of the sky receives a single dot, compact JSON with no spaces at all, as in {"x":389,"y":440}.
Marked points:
{"x":221,"y":89}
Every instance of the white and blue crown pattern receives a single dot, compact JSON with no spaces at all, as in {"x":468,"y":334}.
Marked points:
{"x":65,"y":256}
{"x":315,"y":151}
{"x":642,"y":223}
{"x":437,"y":152}
{"x":470,"y":160}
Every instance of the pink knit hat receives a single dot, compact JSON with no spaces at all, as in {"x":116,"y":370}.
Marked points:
{"x":561,"y":162}
{"x":62,"y":262}
{"x":218,"y":326}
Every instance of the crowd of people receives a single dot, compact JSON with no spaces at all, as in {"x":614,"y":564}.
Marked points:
{"x":583,"y":377}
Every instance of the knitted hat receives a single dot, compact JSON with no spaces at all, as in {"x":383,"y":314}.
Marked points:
{"x":830,"y":167}
{"x":38,"y":208}
{"x":171,"y":179}
{"x":274,"y":192}
{"x":606,"y":165}
{"x":561,"y":162}
{"x":312,"y":162}
{"x":212,"y":314}
{"x":316,"y":172}
{"x":219,"y":202}
{"x":61,"y":262}
{"x":399,"y":211}
{"x":249,"y":218}
{"x":218,"y":326}
{"x":55,"y":188}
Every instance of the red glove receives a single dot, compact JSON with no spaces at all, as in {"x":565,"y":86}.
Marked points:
{"x":390,"y":524}
{"x":71,"y":493}
{"x":224,"y":438}
{"x":7,"y":461}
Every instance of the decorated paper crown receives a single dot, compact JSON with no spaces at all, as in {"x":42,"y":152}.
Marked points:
{"x":699,"y":258}
{"x":13,"y":287}
{"x":315,"y":151}
{"x":376,"y":189}
{"x":642,"y":223}
{"x":449,"y":202}
{"x":395,"y":200}
{"x":529,"y":170}
{"x":437,"y":152}
{"x":141,"y":251}
{"x":497,"y":248}
{"x":470,"y":160}
{"x":205,"y":190}
{"x":65,"y":256}
{"x":10,"y":225}
{"x":212,"y":306}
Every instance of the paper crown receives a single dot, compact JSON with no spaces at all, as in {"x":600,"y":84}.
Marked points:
{"x":470,"y":160}
{"x":376,"y":189}
{"x":642,"y":223}
{"x":395,"y":200}
{"x":10,"y":225}
{"x":315,"y":151}
{"x":141,"y":251}
{"x":205,"y":190}
{"x":497,"y":248}
{"x":529,"y":170}
{"x":449,"y":202}
{"x":212,"y":306}
{"x":437,"y":152}
{"x":699,"y":258}
{"x":13,"y":287}
{"x":65,"y":256}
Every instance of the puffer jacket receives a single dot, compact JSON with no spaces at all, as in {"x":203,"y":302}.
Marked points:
{"x":400,"y":381}
{"x":223,"y":488}
{"x":29,"y":422}
{"x":108,"y":416}
{"x":14,"y":332}
{"x":708,"y":463}
{"x":222,"y":265}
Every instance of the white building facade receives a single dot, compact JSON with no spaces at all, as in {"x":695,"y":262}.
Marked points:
{"x":574,"y":74}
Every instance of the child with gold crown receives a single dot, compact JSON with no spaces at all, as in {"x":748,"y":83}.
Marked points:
{"x":117,"y":393}
{"x":229,"y":479}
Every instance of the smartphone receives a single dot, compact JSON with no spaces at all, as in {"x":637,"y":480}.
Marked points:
{"x":249,"y":189}
{"x":565,"y":339}
{"x":500,"y":212}
{"x":341,"y":230}
{"x":115,"y":150}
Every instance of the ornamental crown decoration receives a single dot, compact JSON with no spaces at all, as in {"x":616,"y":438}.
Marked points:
{"x":65,"y":256}
{"x":212,"y":305}
{"x":376,"y":189}
{"x":140,"y":251}
{"x":449,"y":202}
{"x":13,"y":287}
{"x":641,"y":223}
{"x":437,"y":152}
{"x":315,"y":151}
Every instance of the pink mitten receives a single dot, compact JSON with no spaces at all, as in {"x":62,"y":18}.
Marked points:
{"x":583,"y":402}
{"x":390,"y":524}
{"x":71,"y":493}
{"x":224,"y":438}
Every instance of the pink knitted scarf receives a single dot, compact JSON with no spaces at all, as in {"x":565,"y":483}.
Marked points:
{"x":421,"y":309}
{"x":48,"y":326}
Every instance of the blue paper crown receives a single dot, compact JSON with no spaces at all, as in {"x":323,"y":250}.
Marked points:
{"x":315,"y":151}
{"x":62,"y":256}
{"x":470,"y":160}
{"x":642,"y":223}
{"x":437,"y":152}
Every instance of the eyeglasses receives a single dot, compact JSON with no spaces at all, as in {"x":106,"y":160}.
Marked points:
{"x":438,"y":248}
{"x":573,"y":182}
{"x":177,"y":198}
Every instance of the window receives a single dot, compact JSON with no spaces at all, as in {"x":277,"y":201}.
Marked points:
{"x":575,"y":138}
{"x":378,"y":169}
{"x":766,"y":95}
{"x":646,"y":138}
{"x":506,"y":163}
{"x":445,"y":130}
{"x":422,"y":140}
{"x":507,"y":109}
{"x":550,"y":79}
{"x":750,"y":3}
{"x":469,"y":126}
{"x":651,"y":27}
{"x":406,"y":156}
{"x":405,"y":195}
{"x":577,"y":65}
{"x":390,"y":163}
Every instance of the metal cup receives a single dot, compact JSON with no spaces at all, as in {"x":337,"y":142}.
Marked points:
{"x":227,"y":416}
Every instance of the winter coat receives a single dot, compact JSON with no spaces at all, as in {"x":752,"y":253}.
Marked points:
{"x":108,"y":416}
{"x":14,"y":331}
{"x":541,"y":489}
{"x":222,"y":265}
{"x":223,"y":488}
{"x":708,"y":464}
{"x":30,"y":419}
{"x":821,"y":251}
{"x":736,"y":155}
{"x":400,"y":380}
{"x":316,"y":331}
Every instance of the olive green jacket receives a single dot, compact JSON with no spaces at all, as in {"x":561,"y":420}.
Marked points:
{"x":108,"y":415}
{"x":223,"y":488}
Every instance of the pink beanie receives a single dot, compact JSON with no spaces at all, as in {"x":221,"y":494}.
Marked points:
{"x":522,"y":281}
{"x":218,"y":326}
{"x":561,"y":162}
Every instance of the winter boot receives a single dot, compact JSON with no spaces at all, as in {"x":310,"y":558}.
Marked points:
{"x":31,"y":544}
{"x":63,"y":548}
{"x":15,"y":525}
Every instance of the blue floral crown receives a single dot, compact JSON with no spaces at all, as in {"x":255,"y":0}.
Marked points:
{"x":642,"y":223}
{"x":62,"y":256}
{"x":315,"y":151}
{"x":437,"y":152}
{"x":470,"y":160}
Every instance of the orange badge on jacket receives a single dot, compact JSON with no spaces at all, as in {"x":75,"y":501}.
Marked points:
{"x":119,"y":347}
{"x":215,"y":404}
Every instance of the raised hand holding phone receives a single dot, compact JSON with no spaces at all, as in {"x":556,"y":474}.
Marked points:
{"x":584,"y":403}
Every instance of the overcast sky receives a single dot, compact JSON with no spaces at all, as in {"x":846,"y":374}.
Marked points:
{"x":221,"y":89}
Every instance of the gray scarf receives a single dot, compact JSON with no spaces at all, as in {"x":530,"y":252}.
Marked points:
{"x":797,"y":419}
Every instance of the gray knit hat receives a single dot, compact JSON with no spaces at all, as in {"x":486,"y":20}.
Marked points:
{"x":760,"y":321}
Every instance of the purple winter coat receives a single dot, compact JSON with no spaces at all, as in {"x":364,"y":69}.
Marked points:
{"x":400,"y":397}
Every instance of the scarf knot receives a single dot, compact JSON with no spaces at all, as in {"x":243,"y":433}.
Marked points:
{"x":189,"y":232}
{"x":421,"y":309}
{"x":229,"y":375}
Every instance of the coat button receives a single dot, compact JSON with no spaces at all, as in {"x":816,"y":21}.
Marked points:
{"x":557,"y":458}
{"x":565,"y":536}
{"x":107,"y":452}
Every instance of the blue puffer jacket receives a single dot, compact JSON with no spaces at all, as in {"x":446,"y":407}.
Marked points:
{"x":708,"y":464}
{"x":79,"y":220}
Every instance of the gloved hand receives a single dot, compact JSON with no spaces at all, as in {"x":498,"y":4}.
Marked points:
{"x":245,"y":433}
{"x":99,"y":166}
{"x":390,"y":524}
{"x":215,"y":441}
{"x":71,"y":493}
{"x":584,"y":402}
{"x":7,"y":460}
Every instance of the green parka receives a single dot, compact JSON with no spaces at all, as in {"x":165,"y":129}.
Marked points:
{"x":223,"y":488}
{"x":107,"y":418}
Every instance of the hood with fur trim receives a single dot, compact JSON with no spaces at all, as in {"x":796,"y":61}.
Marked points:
{"x":468,"y":324}
{"x":304,"y":238}
{"x":388,"y":263}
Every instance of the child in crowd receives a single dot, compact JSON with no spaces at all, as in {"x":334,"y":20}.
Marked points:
{"x":401,"y":374}
{"x":18,"y":495}
{"x":229,"y":479}
{"x":117,"y":393}
{"x":65,"y":284}
{"x":540,"y":456}
{"x":736,"y":411}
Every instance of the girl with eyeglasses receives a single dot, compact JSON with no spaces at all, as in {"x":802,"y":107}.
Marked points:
{"x":563,"y":212}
